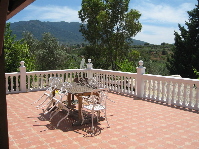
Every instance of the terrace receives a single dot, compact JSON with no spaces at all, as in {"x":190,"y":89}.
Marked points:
{"x":150,"y":111}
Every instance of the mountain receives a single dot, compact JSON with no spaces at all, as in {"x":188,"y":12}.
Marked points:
{"x":65,"y":32}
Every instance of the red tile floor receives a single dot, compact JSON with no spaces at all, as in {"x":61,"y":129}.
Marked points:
{"x":134,"y":124}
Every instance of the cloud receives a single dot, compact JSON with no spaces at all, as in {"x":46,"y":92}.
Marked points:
{"x":163,"y":13}
{"x":156,"y":34}
{"x":160,"y":20}
{"x":52,"y":13}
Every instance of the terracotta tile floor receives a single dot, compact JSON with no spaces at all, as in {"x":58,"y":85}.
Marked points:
{"x":134,"y":124}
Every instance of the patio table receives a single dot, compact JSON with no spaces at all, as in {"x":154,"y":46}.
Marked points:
{"x":78,"y":91}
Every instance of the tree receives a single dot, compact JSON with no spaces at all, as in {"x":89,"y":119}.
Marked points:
{"x":184,"y":58}
{"x":108,"y":26}
{"x":16,"y":51}
{"x":49,"y":55}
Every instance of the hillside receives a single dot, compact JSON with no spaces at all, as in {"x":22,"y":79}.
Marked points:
{"x":65,"y":32}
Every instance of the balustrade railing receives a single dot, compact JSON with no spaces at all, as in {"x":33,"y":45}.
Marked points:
{"x":177,"y":91}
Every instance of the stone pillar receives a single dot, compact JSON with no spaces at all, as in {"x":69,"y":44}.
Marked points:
{"x":89,"y":69}
{"x":140,"y":81}
{"x":22,"y":69}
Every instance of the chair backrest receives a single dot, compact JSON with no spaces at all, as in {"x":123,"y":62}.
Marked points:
{"x":55,"y":81}
{"x":92,"y":83}
{"x":99,"y":96}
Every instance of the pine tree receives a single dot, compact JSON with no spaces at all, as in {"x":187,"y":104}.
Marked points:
{"x":184,"y":58}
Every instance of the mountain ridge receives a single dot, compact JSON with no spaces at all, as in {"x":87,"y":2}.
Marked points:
{"x":65,"y":32}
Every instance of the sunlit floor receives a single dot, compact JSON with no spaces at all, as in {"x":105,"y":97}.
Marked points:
{"x":134,"y":123}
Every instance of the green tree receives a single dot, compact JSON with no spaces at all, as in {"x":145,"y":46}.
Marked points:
{"x":49,"y":55}
{"x":129,"y":64}
{"x":108,"y":26}
{"x":185,"y":54}
{"x":16,"y":51}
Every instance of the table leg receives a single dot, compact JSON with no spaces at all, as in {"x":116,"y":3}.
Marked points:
{"x":79,"y":107}
{"x":69,"y":99}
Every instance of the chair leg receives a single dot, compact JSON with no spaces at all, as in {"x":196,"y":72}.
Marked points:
{"x":106,"y":119}
{"x":82,"y":117}
{"x":54,"y":113}
{"x":49,"y":104}
{"x":47,"y":111}
{"x":63,"y":118}
{"x":43,"y":102}
{"x":37,"y":100}
{"x":92,"y":120}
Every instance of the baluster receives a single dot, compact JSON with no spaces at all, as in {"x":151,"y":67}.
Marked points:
{"x":149,"y":89}
{"x":111,"y":82}
{"x":71,"y":77}
{"x":173,"y":94}
{"x":132,"y":85}
{"x":127,"y":85}
{"x":184,"y":96}
{"x":7,"y":85}
{"x":107,"y":81}
{"x":145,"y":89}
{"x":158,"y":98}
{"x":38,"y":79}
{"x":66,"y":77}
{"x":121,"y":84}
{"x":168,"y":88}
{"x":99,"y":79}
{"x":104,"y":79}
{"x":190,"y":102}
{"x":42,"y":81}
{"x":28,"y":81}
{"x":196,"y":107}
{"x":124,"y":84}
{"x":11,"y":87}
{"x":187,"y":95}
{"x":153,"y":90}
{"x":117,"y":83}
{"x":17,"y":83}
{"x":179,"y":95}
{"x":33,"y":81}
{"x":162,"y":90}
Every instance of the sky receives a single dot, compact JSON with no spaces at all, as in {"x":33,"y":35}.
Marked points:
{"x":159,"y":18}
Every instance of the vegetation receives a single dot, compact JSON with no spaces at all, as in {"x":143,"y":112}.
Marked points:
{"x":16,"y":51}
{"x":183,"y":60}
{"x":108,"y":30}
{"x":69,"y":56}
{"x":44,"y":54}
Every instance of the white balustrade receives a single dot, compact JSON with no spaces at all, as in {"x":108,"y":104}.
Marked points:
{"x":177,"y":91}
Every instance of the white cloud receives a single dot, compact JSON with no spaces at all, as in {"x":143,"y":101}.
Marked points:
{"x":156,"y":34}
{"x":163,"y":13}
{"x":52,"y":13}
{"x":160,"y":20}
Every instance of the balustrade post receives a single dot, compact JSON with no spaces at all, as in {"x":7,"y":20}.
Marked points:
{"x":22,"y":69}
{"x":89,"y":69}
{"x":140,"y":81}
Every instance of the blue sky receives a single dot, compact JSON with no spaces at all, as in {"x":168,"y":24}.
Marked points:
{"x":159,"y":18}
